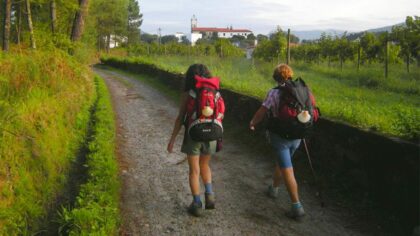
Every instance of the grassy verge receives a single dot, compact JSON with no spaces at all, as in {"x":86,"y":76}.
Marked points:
{"x":44,"y":110}
{"x":365,"y":99}
{"x":96,"y":209}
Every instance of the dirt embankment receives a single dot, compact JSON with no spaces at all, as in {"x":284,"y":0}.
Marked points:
{"x":156,"y":193}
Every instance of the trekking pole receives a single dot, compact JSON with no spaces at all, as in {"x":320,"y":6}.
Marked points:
{"x":314,"y":174}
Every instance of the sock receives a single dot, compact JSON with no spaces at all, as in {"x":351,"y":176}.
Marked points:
{"x":296,"y":205}
{"x":196,"y":198}
{"x":208,"y":187}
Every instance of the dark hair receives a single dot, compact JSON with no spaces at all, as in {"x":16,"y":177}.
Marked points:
{"x":193,"y":70}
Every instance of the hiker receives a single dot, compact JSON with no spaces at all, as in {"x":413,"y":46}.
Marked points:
{"x":283,"y":136}
{"x":201,"y":112}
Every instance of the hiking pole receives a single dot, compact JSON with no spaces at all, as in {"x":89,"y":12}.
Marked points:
{"x":313,"y":173}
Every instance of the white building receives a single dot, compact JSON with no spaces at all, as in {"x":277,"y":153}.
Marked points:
{"x":179,"y":35}
{"x":200,"y":32}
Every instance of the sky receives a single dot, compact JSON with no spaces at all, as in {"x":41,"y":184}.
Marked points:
{"x":263,"y":16}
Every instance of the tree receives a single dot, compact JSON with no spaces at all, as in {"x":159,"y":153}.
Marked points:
{"x":53,"y":11}
{"x":6,"y":31}
{"x":168,"y":39}
{"x":272,"y":48}
{"x":413,"y":36}
{"x":134,"y":22}
{"x":251,"y":37}
{"x":30,"y":26}
{"x":79,"y":20}
{"x":184,"y":40}
{"x":294,"y":38}
{"x":370,"y":47}
{"x":18,"y":24}
{"x":261,"y":37}
{"x":344,"y":49}
{"x":326,"y":47}
{"x":110,"y":19}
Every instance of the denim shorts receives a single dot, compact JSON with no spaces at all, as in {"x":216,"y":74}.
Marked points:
{"x":284,"y":149}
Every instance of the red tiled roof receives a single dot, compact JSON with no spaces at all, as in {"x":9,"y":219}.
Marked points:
{"x":212,"y":29}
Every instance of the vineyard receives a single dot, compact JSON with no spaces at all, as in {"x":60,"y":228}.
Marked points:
{"x":365,"y":98}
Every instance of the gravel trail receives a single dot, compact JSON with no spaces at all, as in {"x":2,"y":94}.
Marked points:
{"x":156,"y":193}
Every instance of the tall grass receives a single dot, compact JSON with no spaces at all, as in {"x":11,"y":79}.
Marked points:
{"x":44,"y":110}
{"x":96,"y":210}
{"x":364,"y":99}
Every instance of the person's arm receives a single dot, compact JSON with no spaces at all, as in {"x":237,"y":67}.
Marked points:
{"x":258,"y":117}
{"x":178,"y":121}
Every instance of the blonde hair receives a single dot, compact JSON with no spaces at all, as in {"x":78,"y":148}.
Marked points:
{"x":282,"y":72}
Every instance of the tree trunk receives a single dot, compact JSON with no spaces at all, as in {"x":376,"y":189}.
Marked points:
{"x":18,"y":23}
{"x":79,"y":20}
{"x":53,"y":12}
{"x":6,"y":31}
{"x":30,"y":26}
{"x":108,"y":43}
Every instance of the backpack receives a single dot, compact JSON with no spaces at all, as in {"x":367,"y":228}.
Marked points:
{"x":297,"y":112}
{"x":205,"y":110}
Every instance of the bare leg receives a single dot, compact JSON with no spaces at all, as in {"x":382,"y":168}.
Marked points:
{"x":193,"y":162}
{"x":205,"y":171}
{"x":291,"y":185}
{"x":277,"y":176}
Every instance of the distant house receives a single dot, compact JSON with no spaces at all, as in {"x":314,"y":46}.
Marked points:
{"x":179,"y":35}
{"x":116,"y":41}
{"x":208,"y":32}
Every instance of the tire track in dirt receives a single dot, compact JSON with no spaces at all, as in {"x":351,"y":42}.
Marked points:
{"x":156,"y":193}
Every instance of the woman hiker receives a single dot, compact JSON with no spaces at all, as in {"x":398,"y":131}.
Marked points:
{"x":198,"y":152}
{"x":284,"y":147}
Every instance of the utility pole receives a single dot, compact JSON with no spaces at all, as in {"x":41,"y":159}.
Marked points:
{"x":288,"y":47}
{"x":386,"y":55}
{"x":159,"y":35}
{"x":358,"y":55}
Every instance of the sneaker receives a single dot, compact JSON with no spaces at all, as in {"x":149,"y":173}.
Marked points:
{"x":195,"y":209}
{"x":271,"y":192}
{"x":210,"y":201}
{"x":296,"y":213}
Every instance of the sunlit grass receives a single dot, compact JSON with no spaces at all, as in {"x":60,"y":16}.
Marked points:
{"x":44,"y":109}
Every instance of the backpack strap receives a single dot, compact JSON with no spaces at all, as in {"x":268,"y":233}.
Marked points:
{"x":192,"y":93}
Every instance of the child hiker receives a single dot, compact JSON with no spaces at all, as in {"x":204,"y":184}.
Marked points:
{"x":293,"y":112}
{"x":201,"y":111}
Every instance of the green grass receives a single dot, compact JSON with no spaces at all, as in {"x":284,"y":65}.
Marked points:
{"x":44,"y":110}
{"x":96,"y":211}
{"x":364,"y":99}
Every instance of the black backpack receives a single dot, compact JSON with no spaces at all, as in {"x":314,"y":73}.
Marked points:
{"x":297,"y":112}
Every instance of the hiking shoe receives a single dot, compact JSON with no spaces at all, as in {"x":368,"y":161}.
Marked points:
{"x":271,"y":192}
{"x":195,"y":209}
{"x":296,"y":213}
{"x":210,"y":201}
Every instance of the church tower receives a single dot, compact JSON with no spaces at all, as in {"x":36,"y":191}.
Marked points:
{"x":193,"y":22}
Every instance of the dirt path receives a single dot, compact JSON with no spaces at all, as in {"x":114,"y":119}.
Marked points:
{"x":156,"y":193}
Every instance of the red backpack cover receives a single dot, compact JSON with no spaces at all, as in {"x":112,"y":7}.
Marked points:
{"x":205,"y":110}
